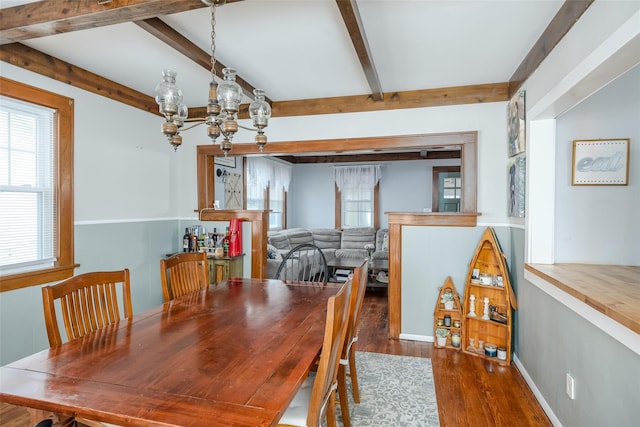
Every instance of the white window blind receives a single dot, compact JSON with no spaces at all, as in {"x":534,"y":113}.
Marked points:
{"x":27,"y":186}
{"x":263,"y":173}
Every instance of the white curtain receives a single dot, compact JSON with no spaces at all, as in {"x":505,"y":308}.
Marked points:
{"x":357,"y":177}
{"x":262,"y":171}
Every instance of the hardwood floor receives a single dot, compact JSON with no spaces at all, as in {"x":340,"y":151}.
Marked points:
{"x":471,"y":391}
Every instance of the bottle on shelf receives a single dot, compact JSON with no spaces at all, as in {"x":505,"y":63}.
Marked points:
{"x":185,"y":240}
{"x":225,"y":242}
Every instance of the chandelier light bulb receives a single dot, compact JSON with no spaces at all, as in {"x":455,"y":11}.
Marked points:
{"x":229,"y":92}
{"x":259,"y":110}
{"x":168,"y":96}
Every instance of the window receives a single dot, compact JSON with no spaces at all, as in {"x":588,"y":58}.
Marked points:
{"x":357,"y":191}
{"x":267,"y":186}
{"x":36,"y":186}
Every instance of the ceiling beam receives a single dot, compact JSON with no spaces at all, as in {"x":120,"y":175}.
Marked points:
{"x":353,"y":22}
{"x":45,"y":18}
{"x":373,"y":157}
{"x":164,"y":32}
{"x":38,"y":62}
{"x":567,"y":15}
{"x":422,"y":141}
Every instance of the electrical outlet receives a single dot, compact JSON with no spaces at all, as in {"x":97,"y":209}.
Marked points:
{"x":571,"y":386}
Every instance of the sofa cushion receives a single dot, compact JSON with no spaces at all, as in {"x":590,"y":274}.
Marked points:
{"x":382,"y":239}
{"x":299,"y":236}
{"x":273,"y":253}
{"x":278,"y":239}
{"x":356,"y":238}
{"x":326,"y":238}
{"x":351,"y":253}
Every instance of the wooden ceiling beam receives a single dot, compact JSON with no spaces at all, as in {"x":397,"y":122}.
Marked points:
{"x":48,"y":17}
{"x":353,"y":22}
{"x":374,"y":157}
{"x":164,"y":32}
{"x":449,"y":140}
{"x":38,"y":62}
{"x":567,"y":15}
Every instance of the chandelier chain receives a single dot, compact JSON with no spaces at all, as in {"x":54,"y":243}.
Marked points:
{"x":213,"y":41}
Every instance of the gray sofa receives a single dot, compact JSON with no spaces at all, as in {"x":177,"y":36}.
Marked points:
{"x":347,"y":243}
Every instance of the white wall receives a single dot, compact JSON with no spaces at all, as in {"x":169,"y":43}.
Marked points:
{"x":405,"y":186}
{"x":597,"y":224}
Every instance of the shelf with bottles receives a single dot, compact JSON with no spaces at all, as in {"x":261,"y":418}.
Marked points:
{"x":447,"y":318}
{"x":488,"y":303}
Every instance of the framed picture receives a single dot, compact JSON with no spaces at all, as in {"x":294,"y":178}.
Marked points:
{"x":229,"y":161}
{"x":516,"y":196}
{"x":600,"y":162}
{"x":516,"y":124}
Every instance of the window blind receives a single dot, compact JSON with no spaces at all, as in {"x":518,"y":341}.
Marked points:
{"x":27,"y":186}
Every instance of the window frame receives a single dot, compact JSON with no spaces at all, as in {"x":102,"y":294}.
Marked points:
{"x":376,"y":206}
{"x":63,"y":152}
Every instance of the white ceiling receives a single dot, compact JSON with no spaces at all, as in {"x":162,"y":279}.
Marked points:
{"x":297,"y":49}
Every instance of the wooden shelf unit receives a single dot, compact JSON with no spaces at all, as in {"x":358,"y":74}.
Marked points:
{"x":455,"y":313}
{"x":488,"y":259}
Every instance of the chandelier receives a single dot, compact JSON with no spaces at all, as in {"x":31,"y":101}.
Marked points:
{"x":222,"y":106}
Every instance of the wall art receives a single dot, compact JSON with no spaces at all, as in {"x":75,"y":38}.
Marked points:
{"x":600,"y":162}
{"x":516,"y":197}
{"x":516,"y":125}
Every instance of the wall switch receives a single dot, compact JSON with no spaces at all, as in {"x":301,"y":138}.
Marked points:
{"x":571,"y":386}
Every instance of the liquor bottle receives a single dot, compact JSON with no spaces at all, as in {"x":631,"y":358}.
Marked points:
{"x":185,"y":240}
{"x":225,"y":242}
{"x":193,"y":243}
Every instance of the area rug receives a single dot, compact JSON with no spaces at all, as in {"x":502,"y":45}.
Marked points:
{"x":394,"y":391}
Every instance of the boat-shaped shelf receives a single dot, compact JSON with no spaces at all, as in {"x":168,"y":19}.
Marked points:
{"x":450,"y":317}
{"x":489,"y":302}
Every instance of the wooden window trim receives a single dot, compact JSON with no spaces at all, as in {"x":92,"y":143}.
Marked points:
{"x":64,"y":265}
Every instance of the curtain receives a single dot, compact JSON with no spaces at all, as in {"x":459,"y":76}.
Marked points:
{"x":262,"y":171}
{"x":357,"y":177}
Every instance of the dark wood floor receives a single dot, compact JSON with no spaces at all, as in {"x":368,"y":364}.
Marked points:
{"x":470,"y":390}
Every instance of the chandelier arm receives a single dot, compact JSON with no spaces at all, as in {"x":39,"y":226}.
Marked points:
{"x":192,"y":126}
{"x":248,"y":128}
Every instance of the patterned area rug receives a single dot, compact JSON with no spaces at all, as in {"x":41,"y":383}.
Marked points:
{"x":394,"y":391}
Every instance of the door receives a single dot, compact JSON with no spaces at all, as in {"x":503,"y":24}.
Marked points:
{"x":447,"y":189}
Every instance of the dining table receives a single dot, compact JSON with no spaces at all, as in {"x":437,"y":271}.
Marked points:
{"x":234,"y":354}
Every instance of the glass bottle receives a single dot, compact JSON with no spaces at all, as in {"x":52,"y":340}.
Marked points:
{"x":185,"y":240}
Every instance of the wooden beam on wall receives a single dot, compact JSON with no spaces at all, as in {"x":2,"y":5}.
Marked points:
{"x":38,"y":62}
{"x":560,"y":25}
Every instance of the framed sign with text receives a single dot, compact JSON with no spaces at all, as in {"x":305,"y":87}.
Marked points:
{"x":600,"y":162}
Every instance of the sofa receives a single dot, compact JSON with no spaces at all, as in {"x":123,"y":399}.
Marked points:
{"x":334,"y":243}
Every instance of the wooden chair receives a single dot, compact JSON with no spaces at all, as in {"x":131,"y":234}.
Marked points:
{"x":183,"y":273}
{"x":89,"y":302}
{"x":348,"y":357}
{"x":304,"y":263}
{"x":316,"y":397}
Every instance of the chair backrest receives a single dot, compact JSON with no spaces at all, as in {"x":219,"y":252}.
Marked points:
{"x":360,"y":277}
{"x":183,"y":273}
{"x":325,"y":383}
{"x":88,"y":302}
{"x":304,"y":263}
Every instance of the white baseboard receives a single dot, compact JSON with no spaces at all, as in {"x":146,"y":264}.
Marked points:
{"x":545,"y":406}
{"x":411,"y":337}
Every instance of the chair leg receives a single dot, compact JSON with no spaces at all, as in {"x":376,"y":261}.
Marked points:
{"x":342,"y":395}
{"x":353,"y":373}
{"x":331,"y":410}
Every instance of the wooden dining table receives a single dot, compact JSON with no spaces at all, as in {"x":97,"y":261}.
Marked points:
{"x":234,"y":354}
